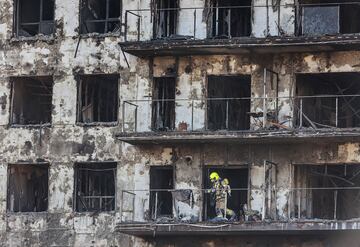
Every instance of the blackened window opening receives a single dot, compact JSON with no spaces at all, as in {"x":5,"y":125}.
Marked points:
{"x":95,"y":187}
{"x":100,"y":16}
{"x":329,"y":17}
{"x":28,"y":188}
{"x":98,"y":98}
{"x":34,"y":17}
{"x":329,"y":106}
{"x":163,"y":106}
{"x":31,"y":100}
{"x":166,"y":14}
{"x":161,"y":201}
{"x":228,"y":102}
{"x":238,"y":181}
{"x":231,"y":18}
{"x":329,"y":193}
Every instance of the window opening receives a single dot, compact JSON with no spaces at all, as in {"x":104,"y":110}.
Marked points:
{"x":329,"y":17}
{"x":165,"y":18}
{"x":236,"y":201}
{"x":234,"y":21}
{"x":31,"y":100}
{"x":163,"y":108}
{"x":161,"y":201}
{"x":329,"y":194}
{"x":95,"y":187}
{"x":328,"y":106}
{"x":227,"y":108}
{"x":35,"y":17}
{"x":98,"y":98}
{"x":28,"y":188}
{"x":100,"y":16}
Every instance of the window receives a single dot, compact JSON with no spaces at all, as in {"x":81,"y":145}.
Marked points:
{"x":163,"y":108}
{"x":328,"y":192}
{"x":165,"y":18}
{"x":238,"y":181}
{"x":34,"y":17}
{"x":98,"y":98}
{"x":100,"y":16}
{"x":325,"y":100}
{"x":229,"y":102}
{"x":161,"y":202}
{"x":28,"y":188}
{"x":321,"y":17}
{"x":230,"y":18}
{"x":31,"y":100}
{"x":95,"y":187}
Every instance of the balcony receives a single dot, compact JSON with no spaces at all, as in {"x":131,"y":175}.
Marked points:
{"x":233,"y":29}
{"x":181,"y":214}
{"x":242,"y":120}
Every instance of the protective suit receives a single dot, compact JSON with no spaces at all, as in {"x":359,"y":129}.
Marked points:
{"x":222,"y":192}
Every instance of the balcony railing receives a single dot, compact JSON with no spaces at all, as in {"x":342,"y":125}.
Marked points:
{"x":241,"y":114}
{"x":313,"y":204}
{"x":225,"y":22}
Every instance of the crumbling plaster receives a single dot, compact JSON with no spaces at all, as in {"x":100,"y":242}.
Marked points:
{"x":65,"y":142}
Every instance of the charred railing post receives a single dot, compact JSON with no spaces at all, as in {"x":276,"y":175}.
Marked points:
{"x":138,"y":28}
{"x":126,"y":25}
{"x":335,"y":204}
{"x":192,"y":115}
{"x":195,"y":24}
{"x":264,"y":194}
{"x":156,"y":205}
{"x":264,"y":100}
{"x":299,"y":203}
{"x":229,"y":22}
{"x":227,"y":115}
{"x":301,"y":113}
{"x":123,"y":117}
{"x":336,"y":111}
{"x":135,"y":114}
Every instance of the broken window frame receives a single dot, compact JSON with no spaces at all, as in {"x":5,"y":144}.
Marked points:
{"x":161,"y":106}
{"x":18,"y":22}
{"x":82,"y":80}
{"x":214,"y":21}
{"x":168,"y":27}
{"x":228,"y":101}
{"x":39,"y":165}
{"x":86,"y":167}
{"x":154,"y":206}
{"x":326,"y":109}
{"x":302,"y":204}
{"x":83,"y":23}
{"x":12,"y":103}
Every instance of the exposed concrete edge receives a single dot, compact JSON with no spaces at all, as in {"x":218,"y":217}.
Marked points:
{"x":278,"y":228}
{"x":242,"y":45}
{"x":285,"y":136}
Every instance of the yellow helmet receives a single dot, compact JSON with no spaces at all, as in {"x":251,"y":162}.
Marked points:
{"x":214,"y":176}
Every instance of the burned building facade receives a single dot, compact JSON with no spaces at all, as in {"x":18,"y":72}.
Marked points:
{"x":113,"y":114}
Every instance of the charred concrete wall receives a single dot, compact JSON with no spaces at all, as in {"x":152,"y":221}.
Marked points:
{"x":66,"y":142}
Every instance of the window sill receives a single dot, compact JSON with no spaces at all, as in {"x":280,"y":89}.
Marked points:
{"x":94,"y":213}
{"x":39,"y":37}
{"x":100,"y":35}
{"x":30,"y":126}
{"x":40,"y":213}
{"x":98,"y":124}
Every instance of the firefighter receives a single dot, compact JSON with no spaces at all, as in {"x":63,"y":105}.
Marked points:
{"x":222,"y":191}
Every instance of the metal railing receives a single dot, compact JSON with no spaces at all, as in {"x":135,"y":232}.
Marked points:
{"x":199,"y":205}
{"x":224,"y":22}
{"x":241,"y":114}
